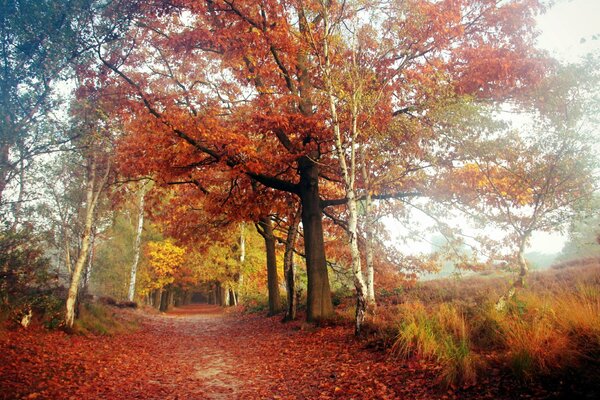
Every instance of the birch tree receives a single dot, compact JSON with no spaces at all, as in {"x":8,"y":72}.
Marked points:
{"x":138,"y":240}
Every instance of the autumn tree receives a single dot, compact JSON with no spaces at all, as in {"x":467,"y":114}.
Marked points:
{"x":95,"y":148}
{"x":545,"y":172}
{"x":240,"y":88}
{"x":43,"y":43}
{"x":165,"y":261}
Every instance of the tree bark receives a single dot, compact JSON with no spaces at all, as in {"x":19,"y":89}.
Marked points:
{"x":137,"y":245}
{"x":371,"y":304}
{"x":266,"y":231}
{"x":289,"y":268}
{"x":90,"y":261}
{"x":318,"y":302}
{"x":93,"y":190}
{"x":170,"y":298}
{"x":4,"y":168}
{"x":521,"y":261}
{"x":164,"y":304}
{"x":348,"y":174}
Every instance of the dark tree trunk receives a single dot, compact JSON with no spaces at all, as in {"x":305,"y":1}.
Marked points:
{"x":222,"y":293}
{"x":156,"y":298}
{"x":170,"y":298}
{"x":164,"y":305}
{"x":289,"y":268}
{"x":4,"y":168}
{"x":266,"y":230}
{"x":318,"y":302}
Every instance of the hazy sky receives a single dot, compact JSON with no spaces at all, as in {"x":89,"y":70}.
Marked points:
{"x":567,"y":32}
{"x":568,"y":28}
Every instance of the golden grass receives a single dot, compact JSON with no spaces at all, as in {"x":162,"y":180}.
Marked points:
{"x":549,"y":329}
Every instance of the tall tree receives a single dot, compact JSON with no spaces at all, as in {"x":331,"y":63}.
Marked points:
{"x":95,"y":153}
{"x":138,"y":239}
{"x":236,"y":87}
{"x":42,"y":42}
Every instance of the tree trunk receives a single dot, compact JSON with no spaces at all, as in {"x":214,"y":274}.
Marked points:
{"x":90,"y":262}
{"x":233,"y":297}
{"x":170,"y":298}
{"x":4,"y":168}
{"x":137,"y":245}
{"x":242,"y":244}
{"x":521,"y":261}
{"x":318,"y":301}
{"x":164,"y":298}
{"x":349,"y":175}
{"x":266,"y":231}
{"x":222,"y":295}
{"x":371,"y":304}
{"x":93,"y":190}
{"x":156,"y":298}
{"x":289,"y":268}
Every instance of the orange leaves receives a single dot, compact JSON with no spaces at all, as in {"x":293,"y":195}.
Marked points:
{"x":492,"y":184}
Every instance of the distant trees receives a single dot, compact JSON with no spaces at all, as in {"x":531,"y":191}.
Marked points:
{"x":536,"y":177}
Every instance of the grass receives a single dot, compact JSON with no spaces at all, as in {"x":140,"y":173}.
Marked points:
{"x":549,"y":331}
{"x":99,"y":319}
{"x":439,"y":334}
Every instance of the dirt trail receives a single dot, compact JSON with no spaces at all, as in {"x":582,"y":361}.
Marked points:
{"x":197,"y":352}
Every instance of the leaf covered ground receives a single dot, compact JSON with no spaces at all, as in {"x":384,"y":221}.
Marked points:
{"x":198,"y":352}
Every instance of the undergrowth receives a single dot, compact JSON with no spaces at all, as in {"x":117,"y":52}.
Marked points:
{"x":546,"y":332}
{"x":99,"y":319}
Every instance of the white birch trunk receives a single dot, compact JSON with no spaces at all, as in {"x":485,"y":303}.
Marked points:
{"x":88,"y":271}
{"x":368,"y":237}
{"x":137,"y":244}
{"x":93,"y":190}
{"x":348,"y":173}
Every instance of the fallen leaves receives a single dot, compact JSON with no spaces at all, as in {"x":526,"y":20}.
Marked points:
{"x":212,"y":356}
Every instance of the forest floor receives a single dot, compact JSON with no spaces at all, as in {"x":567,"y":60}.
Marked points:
{"x":199,"y":352}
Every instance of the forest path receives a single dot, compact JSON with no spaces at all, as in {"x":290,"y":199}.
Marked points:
{"x":199,"y":352}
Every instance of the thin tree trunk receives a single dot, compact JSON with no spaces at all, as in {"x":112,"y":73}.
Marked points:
{"x":371,"y":304}
{"x":90,"y":260}
{"x":233,"y":297}
{"x":289,"y":268}
{"x":266,"y":230}
{"x":137,"y":244}
{"x":522,"y":262}
{"x":4,"y":168}
{"x":93,"y":190}
{"x":242,"y":244}
{"x":349,"y":174}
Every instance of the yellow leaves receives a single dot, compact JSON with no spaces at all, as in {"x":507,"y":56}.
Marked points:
{"x":164,"y":259}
